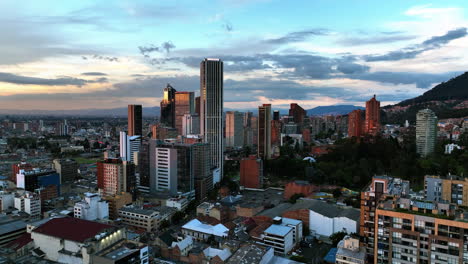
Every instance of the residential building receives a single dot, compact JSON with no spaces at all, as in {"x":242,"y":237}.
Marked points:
{"x":234,"y":129}
{"x":355,"y":124}
{"x":135,"y":119}
{"x":91,"y":208}
{"x":67,"y":169}
{"x":202,"y":231}
{"x":433,"y":188}
{"x":184,"y":104}
{"x":115,"y":176}
{"x":426,"y":132}
{"x":29,"y":203}
{"x":167,"y":107}
{"x":276,"y":128}
{"x":211,"y":109}
{"x":298,"y":113}
{"x":251,"y":172}
{"x":148,"y":220}
{"x":264,"y":131}
{"x":372,"y":121}
{"x":349,"y":252}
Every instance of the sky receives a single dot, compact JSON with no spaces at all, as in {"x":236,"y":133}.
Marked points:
{"x":58,"y":55}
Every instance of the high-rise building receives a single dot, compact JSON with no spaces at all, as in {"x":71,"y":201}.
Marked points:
{"x":128,"y":146}
{"x":184,"y":104}
{"x":211,"y":109}
{"x":135,"y":120}
{"x":197,"y":105}
{"x":276,"y":127}
{"x":251,"y":172}
{"x":234,"y":129}
{"x":264,"y":131}
{"x":202,"y":170}
{"x":143,"y":167}
{"x":372,"y":122}
{"x":115,"y":176}
{"x":167,"y":105}
{"x":426,"y":132}
{"x":298,"y":113}
{"x":67,"y":168}
{"x":355,"y":124}
{"x":276,"y":115}
{"x":191,"y":124}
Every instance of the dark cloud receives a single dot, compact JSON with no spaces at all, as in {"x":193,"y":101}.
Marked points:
{"x":422,"y":80}
{"x":352,"y":68}
{"x":167,"y":46}
{"x":18,"y":79}
{"x":413,"y":51}
{"x":94,"y":74}
{"x":297,"y":36}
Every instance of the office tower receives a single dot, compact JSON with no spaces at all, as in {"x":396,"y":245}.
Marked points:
{"x":234,"y":129}
{"x":184,"y":104}
{"x":162,"y":132}
{"x":191,"y":124}
{"x":264,"y":131}
{"x":115,"y":176}
{"x":426,"y":132}
{"x":372,"y":123}
{"x":379,"y":189}
{"x":67,"y":168}
{"x":167,"y":105}
{"x":251,"y":172}
{"x":355,"y":124}
{"x":276,"y":115}
{"x":63,"y":128}
{"x":298,"y":113}
{"x":172,"y":168}
{"x":143,"y":167}
{"x":128,"y":146}
{"x":135,"y":120}
{"x":248,"y":119}
{"x":211,"y":109}
{"x":254,"y":129}
{"x":197,"y":105}
{"x":276,"y":128}
{"x":202,"y":170}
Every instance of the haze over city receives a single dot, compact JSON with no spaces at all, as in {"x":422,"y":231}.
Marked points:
{"x":80,"y":54}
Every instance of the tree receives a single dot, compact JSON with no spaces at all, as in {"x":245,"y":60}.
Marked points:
{"x":164,"y":224}
{"x":337,"y":237}
{"x":179,"y":215}
{"x":337,"y":193}
{"x":96,"y":145}
{"x":294,"y":197}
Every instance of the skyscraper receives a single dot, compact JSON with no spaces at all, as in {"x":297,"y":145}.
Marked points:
{"x":115,"y":176}
{"x":298,"y":113}
{"x":372,"y":123}
{"x":184,"y":104}
{"x":276,"y":115}
{"x":167,"y":105}
{"x":234,"y":129}
{"x":211,"y":109}
{"x":426,"y":132}
{"x":355,"y":124}
{"x":128,"y":146}
{"x":135,"y":119}
{"x":264,"y":131}
{"x":191,"y":124}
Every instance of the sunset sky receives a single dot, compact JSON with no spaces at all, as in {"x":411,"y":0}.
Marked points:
{"x":107,"y":54}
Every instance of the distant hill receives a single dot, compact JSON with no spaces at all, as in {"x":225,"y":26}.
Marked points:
{"x":333,"y":110}
{"x":447,"y":99}
{"x":114,"y":112}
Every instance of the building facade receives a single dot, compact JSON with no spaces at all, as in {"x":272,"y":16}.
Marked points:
{"x":167,"y":107}
{"x":426,"y":132}
{"x":264,"y":131}
{"x":372,"y":121}
{"x":251,"y":172}
{"x":184,"y":104}
{"x":135,"y":120}
{"x":234,"y":129}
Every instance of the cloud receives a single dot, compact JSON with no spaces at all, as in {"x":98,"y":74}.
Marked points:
{"x":227,"y":26}
{"x":167,"y":46}
{"x":25,"y":80}
{"x":94,"y":74}
{"x":297,"y":36}
{"x":388,"y":37}
{"x":414,"y":50}
{"x":422,"y":80}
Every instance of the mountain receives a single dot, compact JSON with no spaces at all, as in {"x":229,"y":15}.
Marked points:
{"x":113,"y":112}
{"x":447,"y":99}
{"x":333,"y":110}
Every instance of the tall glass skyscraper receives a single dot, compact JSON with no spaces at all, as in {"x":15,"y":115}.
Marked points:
{"x":211,"y":109}
{"x":167,"y":116}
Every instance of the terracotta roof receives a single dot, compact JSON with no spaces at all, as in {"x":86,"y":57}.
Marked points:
{"x":20,"y":242}
{"x":73,"y":229}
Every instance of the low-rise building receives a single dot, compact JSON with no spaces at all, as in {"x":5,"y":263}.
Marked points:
{"x":180,"y":203}
{"x":217,"y":211}
{"x":349,"y":252}
{"x":148,"y":220}
{"x":29,"y":203}
{"x":116,"y":202}
{"x":201,"y":231}
{"x":91,"y":208}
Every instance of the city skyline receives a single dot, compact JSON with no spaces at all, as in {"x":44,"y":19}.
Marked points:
{"x":79,"y":57}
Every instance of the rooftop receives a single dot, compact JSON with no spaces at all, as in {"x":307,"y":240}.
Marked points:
{"x":278,"y":230}
{"x":73,"y":229}
{"x":217,"y":230}
{"x":10,"y":226}
{"x":138,"y":211}
{"x":248,"y":254}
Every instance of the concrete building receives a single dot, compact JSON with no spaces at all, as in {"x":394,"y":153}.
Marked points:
{"x":29,"y":203}
{"x":251,"y":172}
{"x":15,"y":169}
{"x":190,"y":124}
{"x":135,"y":119}
{"x":256,"y":254}
{"x":148,"y":220}
{"x":91,"y":208}
{"x":426,"y":132}
{"x":37,"y":178}
{"x":179,"y":203}
{"x":211,"y":109}
{"x":234,"y":129}
{"x":433,"y":188}
{"x":298,"y":113}
{"x":372,"y":121}
{"x":201,"y":231}
{"x":67,"y":168}
{"x":355,"y":124}
{"x":128,"y":146}
{"x":217,"y":211}
{"x":452,"y":189}
{"x":7,"y":200}
{"x":279,"y":237}
{"x":264,"y":132}
{"x":349,"y":252}
{"x":184,"y":104}
{"x":116,"y":202}
{"x":10,"y":230}
{"x":115,"y":176}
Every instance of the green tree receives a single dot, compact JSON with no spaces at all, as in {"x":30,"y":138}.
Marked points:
{"x":337,"y":237}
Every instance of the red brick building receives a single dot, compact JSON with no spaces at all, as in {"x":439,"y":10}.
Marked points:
{"x":15,"y":168}
{"x":372,"y":122}
{"x":298,"y":113}
{"x":251,"y":172}
{"x":303,"y":187}
{"x":355,"y":124}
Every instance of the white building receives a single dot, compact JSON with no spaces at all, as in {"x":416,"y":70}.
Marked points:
{"x":184,"y":245}
{"x":326,"y":219}
{"x":128,"y":146}
{"x":451,"y":147}
{"x":349,"y":252}
{"x":91,"y":208}
{"x":279,"y":237}
{"x":29,"y":203}
{"x":296,"y":225}
{"x":166,"y":170}
{"x":191,"y":124}
{"x":7,"y":200}
{"x":202,"y":232}
{"x":180,"y":203}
